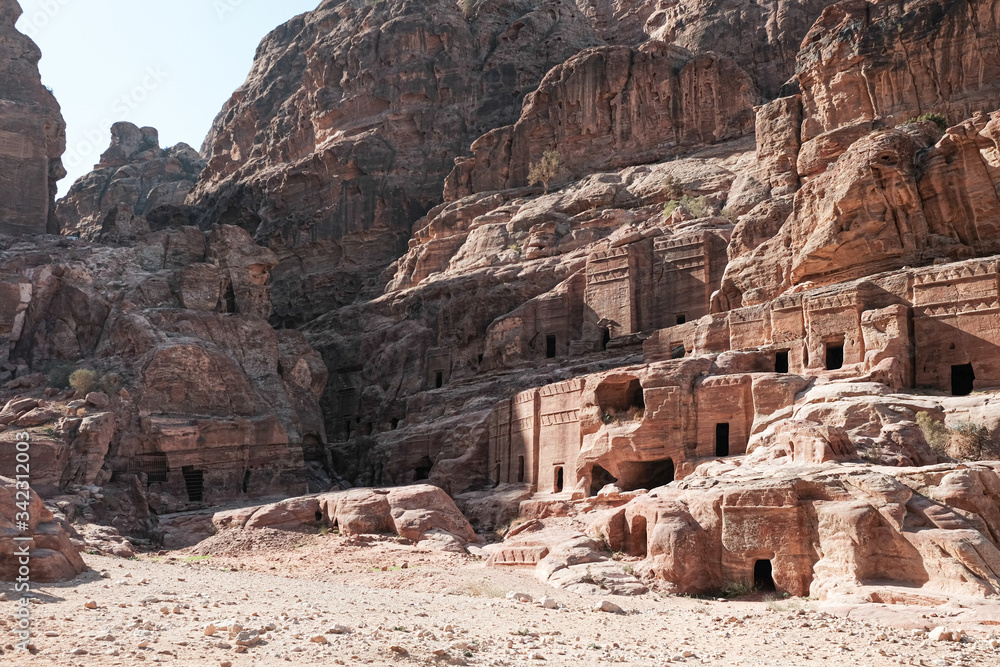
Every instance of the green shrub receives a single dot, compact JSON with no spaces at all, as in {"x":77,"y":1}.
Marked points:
{"x":737,"y":589}
{"x":545,"y":170}
{"x":974,"y":442}
{"x":59,"y":375}
{"x":83,"y":380}
{"x":468,"y":7}
{"x":111,"y":384}
{"x":938,"y":435}
{"x":935,"y":118}
{"x":672,"y":188}
{"x":696,"y":207}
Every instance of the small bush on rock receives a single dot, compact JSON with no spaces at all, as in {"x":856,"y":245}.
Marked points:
{"x":545,"y":170}
{"x":59,"y":375}
{"x":974,"y":442}
{"x":84,"y":381}
{"x":935,"y":118}
{"x":936,"y":433}
{"x":696,"y":207}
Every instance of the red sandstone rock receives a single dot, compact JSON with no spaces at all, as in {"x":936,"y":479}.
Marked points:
{"x":32,"y":135}
{"x":352,"y":117}
{"x":53,"y":556}
{"x":609,"y":107}
{"x":133,"y":178}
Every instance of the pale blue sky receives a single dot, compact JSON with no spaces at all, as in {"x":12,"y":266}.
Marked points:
{"x":170,"y":64}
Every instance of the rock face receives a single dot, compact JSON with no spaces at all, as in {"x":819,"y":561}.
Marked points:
{"x":421,"y":513}
{"x":351,"y":118}
{"x":825,"y":531}
{"x":134,"y":178}
{"x":207,"y":401}
{"x":52,"y":556}
{"x":883,"y":63}
{"x":32,"y":134}
{"x":761,"y":37}
{"x":610,"y":107}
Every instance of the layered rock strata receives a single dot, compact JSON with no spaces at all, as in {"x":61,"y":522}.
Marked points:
{"x":134,"y":178}
{"x":350,"y":120}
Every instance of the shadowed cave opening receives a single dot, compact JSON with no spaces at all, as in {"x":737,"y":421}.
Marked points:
{"x":423,"y":469}
{"x":834,"y":356}
{"x":600,"y":478}
{"x":194,"y":480}
{"x":550,"y":346}
{"x":763,"y":579}
{"x":722,"y":439}
{"x":559,"y":480}
{"x":605,"y":339}
{"x":781,"y":361}
{"x":963,"y":379}
{"x":634,"y":475}
{"x":520,"y":469}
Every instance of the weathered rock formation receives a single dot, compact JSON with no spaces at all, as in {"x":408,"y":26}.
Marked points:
{"x":761,"y":37}
{"x":823,"y":531}
{"x":32,"y":134}
{"x":52,"y":557}
{"x":206,"y":401}
{"x":611,"y":107}
{"x":134,"y":178}
{"x":420,"y":513}
{"x":350,"y":120}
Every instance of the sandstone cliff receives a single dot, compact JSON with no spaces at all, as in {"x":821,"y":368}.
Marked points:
{"x":351,"y":118}
{"x":134,"y":172}
{"x":32,"y":134}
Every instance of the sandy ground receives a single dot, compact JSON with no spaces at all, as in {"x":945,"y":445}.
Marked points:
{"x":294,"y":590}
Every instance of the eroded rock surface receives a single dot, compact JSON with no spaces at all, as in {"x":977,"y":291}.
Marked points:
{"x":32,"y":134}
{"x":134,"y":178}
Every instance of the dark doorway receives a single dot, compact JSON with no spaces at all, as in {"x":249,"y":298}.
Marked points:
{"x":762,"y":576}
{"x":834,"y":356}
{"x":559,"y":480}
{"x":246,"y":481}
{"x":606,"y":339}
{"x":682,"y":319}
{"x":638,"y":537}
{"x":439,"y":380}
{"x":194,"y":480}
{"x":230,"y":299}
{"x":600,"y":478}
{"x":423,"y":469}
{"x":394,"y":422}
{"x":781,"y":361}
{"x":962,"y":380}
{"x":481,"y":359}
{"x":645,"y":474}
{"x":677,"y":352}
{"x":520,"y":469}
{"x":722,"y":439}
{"x":550,"y":346}
{"x":347,"y":429}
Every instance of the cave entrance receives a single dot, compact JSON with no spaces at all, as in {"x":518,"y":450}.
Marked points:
{"x":962,"y":380}
{"x":621,"y":398}
{"x":246,"y":481}
{"x":559,"y":480}
{"x":520,"y":469}
{"x":834,"y":356}
{"x":423,"y":469}
{"x":781,"y":361}
{"x":682,"y":319}
{"x":605,"y":339}
{"x":439,"y":379}
{"x":600,"y":478}
{"x":194,"y":480}
{"x":634,"y":475}
{"x":677,"y":351}
{"x":763,"y":578}
{"x":550,"y":346}
{"x":722,"y":439}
